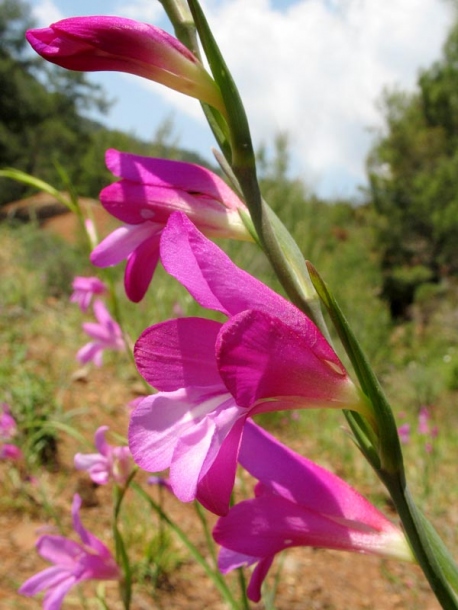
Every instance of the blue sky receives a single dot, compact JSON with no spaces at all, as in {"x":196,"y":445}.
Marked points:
{"x":312,"y":68}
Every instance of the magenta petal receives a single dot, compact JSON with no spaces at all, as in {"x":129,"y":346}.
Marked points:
{"x":171,"y":174}
{"x":212,"y":278}
{"x":259,"y":357}
{"x":300,"y":480}
{"x":188,"y":459}
{"x":178,"y":353}
{"x":154,"y":428}
{"x":121,"y":242}
{"x":257,"y":578}
{"x":269,"y":524}
{"x":140,"y":268}
{"x":59,"y":550}
{"x":49,"y":577}
{"x":215,"y":488}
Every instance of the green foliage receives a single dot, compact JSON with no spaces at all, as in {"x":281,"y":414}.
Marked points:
{"x":413,"y":171}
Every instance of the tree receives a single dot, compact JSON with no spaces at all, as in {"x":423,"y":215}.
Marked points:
{"x":413,"y":174}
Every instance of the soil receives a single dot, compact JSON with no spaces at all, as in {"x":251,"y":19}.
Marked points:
{"x":311,"y":579}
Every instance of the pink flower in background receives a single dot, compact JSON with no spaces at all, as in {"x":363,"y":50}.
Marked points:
{"x":211,"y":376}
{"x":106,"y":334}
{"x":109,"y":464}
{"x":73,"y":563}
{"x":10,"y":452}
{"x":8,"y":430}
{"x":404,"y":433}
{"x":161,"y":482}
{"x":84,"y":288}
{"x":148,"y":192}
{"x":297,"y":503}
{"x":8,"y":426}
{"x":423,"y":421}
{"x":105,"y":43}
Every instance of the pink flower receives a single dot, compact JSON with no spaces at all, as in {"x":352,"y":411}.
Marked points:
{"x":84,"y":288}
{"x":8,"y":430}
{"x":404,"y":433}
{"x":161,"y":482}
{"x":110,"y":463}
{"x":10,"y":452}
{"x":148,"y":192}
{"x":8,"y":426}
{"x":423,"y":421}
{"x":74,"y":563}
{"x":297,"y":503}
{"x":211,"y":376}
{"x":91,"y":44}
{"x":106,"y":334}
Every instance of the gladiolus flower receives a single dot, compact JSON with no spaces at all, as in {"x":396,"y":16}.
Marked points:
{"x":103,"y":43}
{"x":8,"y":426}
{"x":297,"y":503}
{"x":211,"y":376}
{"x":10,"y":452}
{"x":404,"y":433}
{"x":74,"y":563}
{"x":148,"y":192}
{"x":84,"y":288}
{"x":106,"y":334}
{"x":8,"y":430}
{"x":110,"y":463}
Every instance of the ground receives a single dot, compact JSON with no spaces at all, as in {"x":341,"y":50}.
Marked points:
{"x":310,"y":579}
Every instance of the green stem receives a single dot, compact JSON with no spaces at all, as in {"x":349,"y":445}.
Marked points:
{"x":208,"y":537}
{"x":122,"y":557}
{"x":213,"y":574}
{"x":432,"y":556}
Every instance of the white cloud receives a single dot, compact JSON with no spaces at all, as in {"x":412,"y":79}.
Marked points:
{"x":314,"y":68}
{"x":46,"y":12}
{"x":317,"y":69}
{"x":142,"y":10}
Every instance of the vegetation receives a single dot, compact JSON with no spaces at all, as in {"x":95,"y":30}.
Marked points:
{"x":413,"y":171}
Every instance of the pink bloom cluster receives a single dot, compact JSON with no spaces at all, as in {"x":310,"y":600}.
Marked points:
{"x":84,"y":288}
{"x":8,"y":430}
{"x":148,"y":192}
{"x":423,"y":429}
{"x":74,"y":563}
{"x":105,"y":334}
{"x":212,"y":376}
{"x":109,"y":464}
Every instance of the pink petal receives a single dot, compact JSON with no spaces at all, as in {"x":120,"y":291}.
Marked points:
{"x":300,"y":480}
{"x":135,"y":202}
{"x":215,"y":488}
{"x":121,"y":242}
{"x":87,"y":537}
{"x":155,"y":426}
{"x":90,"y":352}
{"x":259,"y":357}
{"x":49,"y":577}
{"x":100,"y":442}
{"x":269,"y":524}
{"x":140,"y":268}
{"x":257,"y":578}
{"x":184,"y":430}
{"x":59,"y":550}
{"x":172,"y":174}
{"x":178,"y":354}
{"x":212,"y":278}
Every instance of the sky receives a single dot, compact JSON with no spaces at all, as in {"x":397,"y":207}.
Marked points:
{"x":314,"y":69}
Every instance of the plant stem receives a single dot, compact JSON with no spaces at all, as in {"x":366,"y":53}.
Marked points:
{"x":212,"y":573}
{"x":432,"y":556}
